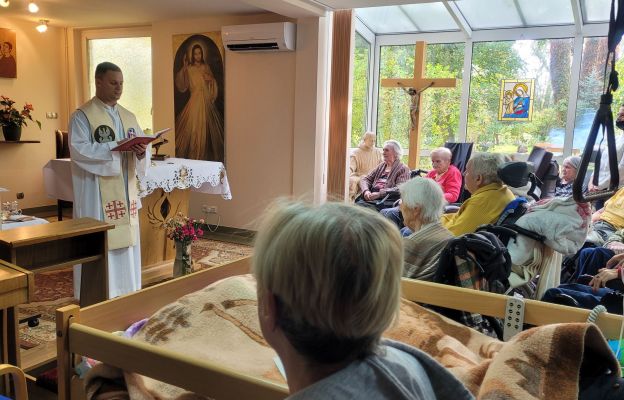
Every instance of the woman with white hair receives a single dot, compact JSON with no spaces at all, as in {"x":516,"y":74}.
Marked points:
{"x":385,"y":178}
{"x":446,"y":174}
{"x":362,"y":161}
{"x":329,"y":282}
{"x":568,"y":175}
{"x":422,"y":206}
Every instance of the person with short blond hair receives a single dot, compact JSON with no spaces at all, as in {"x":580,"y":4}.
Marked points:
{"x":328,"y":287}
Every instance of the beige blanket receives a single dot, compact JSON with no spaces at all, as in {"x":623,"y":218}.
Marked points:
{"x":219,"y":324}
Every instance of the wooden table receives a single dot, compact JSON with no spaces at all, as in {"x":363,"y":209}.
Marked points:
{"x":43,"y":248}
{"x":62,"y":244}
{"x":16,"y":287}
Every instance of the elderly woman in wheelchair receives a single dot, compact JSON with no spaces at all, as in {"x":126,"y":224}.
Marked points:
{"x":384,"y":180}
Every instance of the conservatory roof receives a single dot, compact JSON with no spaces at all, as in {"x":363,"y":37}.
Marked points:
{"x":471,"y":15}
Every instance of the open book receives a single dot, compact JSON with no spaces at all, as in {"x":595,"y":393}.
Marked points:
{"x":139,"y":139}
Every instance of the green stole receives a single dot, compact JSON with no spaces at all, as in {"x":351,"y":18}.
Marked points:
{"x":113,"y":188}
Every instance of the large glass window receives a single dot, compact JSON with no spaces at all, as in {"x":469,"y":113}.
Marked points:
{"x":359,"y":107}
{"x":134,"y":57}
{"x":440,"y":107}
{"x":591,"y":87}
{"x":596,"y":10}
{"x":546,"y":61}
{"x":426,"y":17}
{"x":513,"y":13}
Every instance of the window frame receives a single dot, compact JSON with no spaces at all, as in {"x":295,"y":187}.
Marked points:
{"x":370,"y":37}
{"x":116,"y":33}
{"x":578,"y":32}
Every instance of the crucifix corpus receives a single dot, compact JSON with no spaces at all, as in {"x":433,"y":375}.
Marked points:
{"x":414,"y":88}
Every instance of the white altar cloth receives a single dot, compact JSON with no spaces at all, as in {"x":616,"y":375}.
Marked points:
{"x":174,"y":173}
{"x":180,"y":173}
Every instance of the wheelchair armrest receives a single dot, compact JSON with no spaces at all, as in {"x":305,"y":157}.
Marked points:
{"x":389,"y":198}
{"x":451,"y":208}
{"x":417,"y":172}
{"x":498,"y":230}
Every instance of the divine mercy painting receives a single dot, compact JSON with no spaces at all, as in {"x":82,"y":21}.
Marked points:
{"x":198,"y":96}
{"x":516,"y":100}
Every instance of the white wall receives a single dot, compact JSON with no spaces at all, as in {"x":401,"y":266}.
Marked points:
{"x":265,"y":93}
{"x":40,"y":81}
{"x":275,"y":115}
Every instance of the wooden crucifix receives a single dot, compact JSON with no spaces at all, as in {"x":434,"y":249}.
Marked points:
{"x":414,"y":88}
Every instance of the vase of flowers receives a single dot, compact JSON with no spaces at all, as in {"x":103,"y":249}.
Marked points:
{"x":13,"y":119}
{"x":183,"y":231}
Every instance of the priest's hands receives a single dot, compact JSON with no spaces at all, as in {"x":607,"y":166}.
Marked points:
{"x":139,"y":150}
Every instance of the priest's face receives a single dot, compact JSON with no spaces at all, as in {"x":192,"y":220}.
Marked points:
{"x":109,"y":87}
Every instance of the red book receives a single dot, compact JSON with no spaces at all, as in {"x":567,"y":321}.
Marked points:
{"x":140,"y":139}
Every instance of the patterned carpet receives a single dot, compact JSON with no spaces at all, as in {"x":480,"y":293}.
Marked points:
{"x":210,"y":253}
{"x":55,"y":289}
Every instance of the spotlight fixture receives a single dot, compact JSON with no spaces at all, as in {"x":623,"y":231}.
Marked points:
{"x":43,"y":25}
{"x":33,"y":7}
{"x":4,"y":3}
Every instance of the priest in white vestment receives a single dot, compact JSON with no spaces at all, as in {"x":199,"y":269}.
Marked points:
{"x":105,"y":181}
{"x":363,"y":160}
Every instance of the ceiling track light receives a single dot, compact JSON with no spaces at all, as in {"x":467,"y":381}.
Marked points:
{"x":43,"y":25}
{"x":4,"y":3}
{"x":33,"y":7}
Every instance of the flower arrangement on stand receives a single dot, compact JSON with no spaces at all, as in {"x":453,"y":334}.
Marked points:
{"x":12,"y":119}
{"x":183,"y":231}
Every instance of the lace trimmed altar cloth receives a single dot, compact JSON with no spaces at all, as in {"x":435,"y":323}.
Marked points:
{"x":173,"y":173}
{"x":180,"y":173}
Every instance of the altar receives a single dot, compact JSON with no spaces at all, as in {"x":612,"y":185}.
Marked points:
{"x":164,"y":192}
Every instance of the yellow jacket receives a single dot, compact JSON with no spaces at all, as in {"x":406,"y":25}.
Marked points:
{"x":483,"y":207}
{"x":613,"y":211}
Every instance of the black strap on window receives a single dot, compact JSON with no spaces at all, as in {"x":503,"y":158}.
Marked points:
{"x":603,"y":121}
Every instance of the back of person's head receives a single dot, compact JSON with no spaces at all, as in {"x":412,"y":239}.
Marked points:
{"x":427,"y":195}
{"x":396,"y":146}
{"x":335,"y":273}
{"x":104,"y":67}
{"x":486,"y":165}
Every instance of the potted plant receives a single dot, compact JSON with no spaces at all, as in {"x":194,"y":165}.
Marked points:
{"x":12,"y":119}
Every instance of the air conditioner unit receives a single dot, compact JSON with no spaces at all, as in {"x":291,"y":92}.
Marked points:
{"x":279,"y":36}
